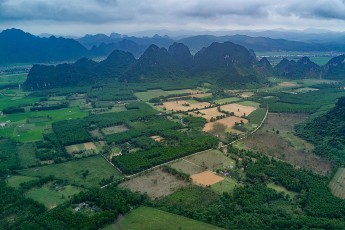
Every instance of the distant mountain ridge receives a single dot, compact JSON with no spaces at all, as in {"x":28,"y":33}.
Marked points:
{"x":83,"y":71}
{"x":226,"y":63}
{"x":17,"y":46}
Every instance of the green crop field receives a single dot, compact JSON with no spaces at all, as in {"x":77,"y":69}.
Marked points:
{"x":23,"y":126}
{"x":257,"y":116}
{"x":72,"y":171}
{"x":145,"y":218}
{"x":281,"y":189}
{"x":51,"y":197}
{"x":227,"y":185}
{"x":26,"y":155}
{"x":147,"y":95}
{"x":16,"y":180}
{"x":250,"y":103}
{"x":227,"y":100}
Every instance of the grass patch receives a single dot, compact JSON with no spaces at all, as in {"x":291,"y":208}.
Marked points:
{"x":51,"y":197}
{"x":25,"y":127}
{"x":250,"y":103}
{"x":227,"y":185}
{"x":226,"y":100}
{"x":26,"y":155}
{"x":147,"y":95}
{"x":145,"y":218}
{"x":279,"y":188}
{"x":16,"y":180}
{"x":256,"y":116}
{"x":73,"y":171}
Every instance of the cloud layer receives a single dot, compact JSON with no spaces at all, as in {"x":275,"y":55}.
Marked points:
{"x":131,"y":15}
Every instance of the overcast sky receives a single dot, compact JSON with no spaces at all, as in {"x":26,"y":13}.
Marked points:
{"x":78,"y":17}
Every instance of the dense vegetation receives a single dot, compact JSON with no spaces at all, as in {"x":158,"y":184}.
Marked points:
{"x":327,"y":133}
{"x":174,"y":63}
{"x":255,"y":206}
{"x":98,"y":208}
{"x":186,"y":144}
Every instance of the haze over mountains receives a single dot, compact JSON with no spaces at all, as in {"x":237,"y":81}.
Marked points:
{"x":17,"y":46}
{"x":225,"y":64}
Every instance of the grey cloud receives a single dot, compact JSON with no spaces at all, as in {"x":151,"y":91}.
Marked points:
{"x":130,"y":15}
{"x":226,"y":8}
{"x":61,"y":10}
{"x":322,"y":9}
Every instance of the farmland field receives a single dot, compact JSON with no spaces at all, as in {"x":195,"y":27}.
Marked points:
{"x":276,"y":138}
{"x":208,"y":114}
{"x":226,"y":185}
{"x":226,"y":100}
{"x":210,"y":159}
{"x":23,"y":129}
{"x":229,"y":122}
{"x":26,"y":155}
{"x":145,"y":218}
{"x":182,"y":105}
{"x":155,"y":183}
{"x":337,"y":183}
{"x":51,"y":197}
{"x":238,"y":109}
{"x":72,"y":171}
{"x":206,"y":178}
{"x":147,"y":95}
{"x":16,"y":180}
{"x":114,"y":129}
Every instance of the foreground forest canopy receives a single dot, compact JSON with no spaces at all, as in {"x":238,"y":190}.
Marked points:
{"x":216,"y":140}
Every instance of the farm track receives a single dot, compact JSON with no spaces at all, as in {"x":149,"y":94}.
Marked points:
{"x":183,"y":158}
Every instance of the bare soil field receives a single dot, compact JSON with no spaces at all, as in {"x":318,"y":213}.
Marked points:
{"x":201,"y":95}
{"x":284,"y":122}
{"x":238,"y":110}
{"x":183,"y":105}
{"x":115,"y":129}
{"x":288,"y":84}
{"x":246,"y":94}
{"x":212,"y":160}
{"x":155,"y":183}
{"x":285,"y":145}
{"x":96,"y":133}
{"x":206,"y":178}
{"x":228,"y":122}
{"x":207,"y":113}
{"x":337,"y":184}
{"x":157,"y":138}
{"x":187,"y":167}
{"x":89,"y":145}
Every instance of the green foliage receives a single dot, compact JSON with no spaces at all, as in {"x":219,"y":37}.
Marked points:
{"x":255,"y":206}
{"x":47,"y":108}
{"x":308,"y":102}
{"x":327,"y":133}
{"x":8,"y":155}
{"x":11,"y":110}
{"x":257,"y":116}
{"x":187,"y":144}
{"x":71,"y":132}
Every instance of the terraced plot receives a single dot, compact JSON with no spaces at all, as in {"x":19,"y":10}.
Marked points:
{"x":337,"y":183}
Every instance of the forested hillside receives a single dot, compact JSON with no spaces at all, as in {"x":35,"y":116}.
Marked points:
{"x":327,"y":133}
{"x":17,"y":46}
